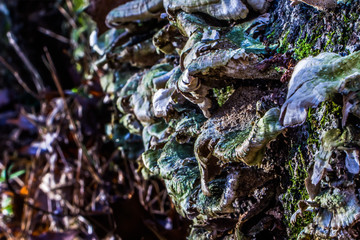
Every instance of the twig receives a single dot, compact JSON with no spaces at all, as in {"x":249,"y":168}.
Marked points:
{"x":30,"y":204}
{"x":67,"y":16}
{"x":73,"y":127}
{"x":54,"y":35}
{"x":148,"y":193}
{"x":78,"y":199}
{"x":163,"y":201}
{"x":62,"y":156}
{"x":69,"y":4}
{"x":35,"y":74}
{"x":18,"y":78}
{"x":6,"y":230}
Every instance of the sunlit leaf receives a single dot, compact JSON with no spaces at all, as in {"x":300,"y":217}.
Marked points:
{"x":6,"y":205}
{"x":79,"y":5}
{"x":13,"y":175}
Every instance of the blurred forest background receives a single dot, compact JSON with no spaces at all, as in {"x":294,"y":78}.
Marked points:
{"x":66,"y":168}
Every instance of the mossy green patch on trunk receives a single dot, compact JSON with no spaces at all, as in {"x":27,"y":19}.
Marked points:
{"x":297,"y":167}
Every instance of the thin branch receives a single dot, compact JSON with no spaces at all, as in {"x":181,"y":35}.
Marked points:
{"x":35,"y":74}
{"x":29,"y":202}
{"x":6,"y":230}
{"x":69,"y":4}
{"x":52,"y":34}
{"x":18,"y":78}
{"x":68,"y":17}
{"x":73,"y":127}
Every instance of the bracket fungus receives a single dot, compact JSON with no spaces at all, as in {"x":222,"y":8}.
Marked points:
{"x":222,"y":162}
{"x":323,"y":5}
{"x":220,"y":9}
{"x":209,"y":58}
{"x":317,"y":79}
{"x":134,"y":10}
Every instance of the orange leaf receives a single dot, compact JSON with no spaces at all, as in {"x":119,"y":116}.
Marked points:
{"x":24,"y":191}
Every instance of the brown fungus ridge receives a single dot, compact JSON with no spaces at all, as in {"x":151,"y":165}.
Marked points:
{"x":169,"y":40}
{"x":134,"y":10}
{"x":323,"y":5}
{"x":220,"y":9}
{"x":142,"y":54}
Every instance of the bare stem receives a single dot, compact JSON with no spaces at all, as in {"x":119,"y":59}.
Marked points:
{"x":34,"y":73}
{"x":18,"y":78}
{"x":73,"y":127}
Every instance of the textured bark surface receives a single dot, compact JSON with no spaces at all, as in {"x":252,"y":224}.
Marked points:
{"x":308,"y":31}
{"x":213,"y":130}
